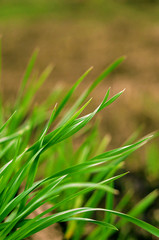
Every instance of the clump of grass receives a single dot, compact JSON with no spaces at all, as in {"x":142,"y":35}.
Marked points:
{"x":41,"y":166}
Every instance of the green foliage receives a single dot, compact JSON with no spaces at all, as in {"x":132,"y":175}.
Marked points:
{"x":43,"y":166}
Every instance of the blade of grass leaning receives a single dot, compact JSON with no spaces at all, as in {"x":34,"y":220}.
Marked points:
{"x":119,"y":151}
{"x":52,"y":138}
{"x":108,"y":156}
{"x":78,"y":123}
{"x":84,"y":185}
{"x":105,"y":73}
{"x":103,"y":224}
{"x":111,"y":100}
{"x":70,"y":92}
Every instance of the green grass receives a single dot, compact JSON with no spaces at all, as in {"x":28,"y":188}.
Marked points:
{"x":40,"y":164}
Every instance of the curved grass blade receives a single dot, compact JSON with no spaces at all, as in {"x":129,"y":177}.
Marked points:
{"x":103,"y":224}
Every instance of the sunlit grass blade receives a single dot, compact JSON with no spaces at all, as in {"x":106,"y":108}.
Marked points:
{"x":120,"y":151}
{"x":111,"y":100}
{"x":89,"y":220}
{"x":86,"y":185}
{"x":106,"y":72}
{"x":108,"y":156}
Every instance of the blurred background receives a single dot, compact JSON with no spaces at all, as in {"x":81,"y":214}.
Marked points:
{"x":76,"y":34}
